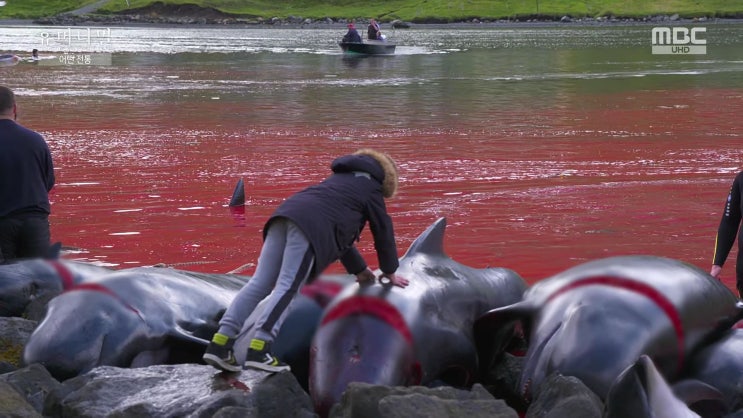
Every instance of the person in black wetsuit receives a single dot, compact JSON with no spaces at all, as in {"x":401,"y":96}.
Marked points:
{"x":26,"y":177}
{"x":730,"y":227}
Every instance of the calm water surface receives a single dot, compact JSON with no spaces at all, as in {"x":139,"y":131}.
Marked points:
{"x":544,"y":147}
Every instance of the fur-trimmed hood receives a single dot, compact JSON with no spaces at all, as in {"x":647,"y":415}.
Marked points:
{"x":379,"y":165}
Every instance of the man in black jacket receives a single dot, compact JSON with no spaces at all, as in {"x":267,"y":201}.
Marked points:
{"x":727,"y":231}
{"x":26,"y":177}
{"x":352,"y":35}
{"x":308,"y":231}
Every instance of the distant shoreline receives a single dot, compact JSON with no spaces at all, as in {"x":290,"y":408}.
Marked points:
{"x":342,"y":24}
{"x":205,"y":14}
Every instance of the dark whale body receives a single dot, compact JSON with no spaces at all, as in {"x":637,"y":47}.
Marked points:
{"x":151,"y":315}
{"x":420,"y":334}
{"x":29,"y":283}
{"x":129,"y":318}
{"x":596,"y":319}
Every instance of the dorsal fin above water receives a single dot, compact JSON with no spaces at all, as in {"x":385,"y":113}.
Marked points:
{"x":238,"y":195}
{"x":431,"y":241}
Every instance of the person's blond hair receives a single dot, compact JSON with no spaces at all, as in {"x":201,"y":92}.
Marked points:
{"x":390,"y":182}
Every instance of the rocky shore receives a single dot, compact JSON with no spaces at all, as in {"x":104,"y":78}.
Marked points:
{"x":199,"y":391}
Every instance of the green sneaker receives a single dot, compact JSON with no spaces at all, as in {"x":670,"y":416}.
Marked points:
{"x":260,"y":357}
{"x":219,"y":353}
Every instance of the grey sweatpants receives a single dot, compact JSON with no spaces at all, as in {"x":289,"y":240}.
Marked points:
{"x":283,"y":267}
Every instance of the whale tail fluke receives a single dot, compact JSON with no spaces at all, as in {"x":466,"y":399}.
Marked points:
{"x":238,"y":195}
{"x":431,"y":241}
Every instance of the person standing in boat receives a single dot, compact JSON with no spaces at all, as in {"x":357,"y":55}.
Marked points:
{"x":26,"y":177}
{"x":373,"y":31}
{"x":352,"y":35}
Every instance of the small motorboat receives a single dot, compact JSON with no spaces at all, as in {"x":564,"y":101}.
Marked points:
{"x":7,"y":60}
{"x":368,"y":48}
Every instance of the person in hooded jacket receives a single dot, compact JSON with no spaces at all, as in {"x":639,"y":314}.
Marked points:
{"x":305,"y":234}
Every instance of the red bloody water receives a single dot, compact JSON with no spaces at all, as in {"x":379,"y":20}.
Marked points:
{"x":644,"y":172}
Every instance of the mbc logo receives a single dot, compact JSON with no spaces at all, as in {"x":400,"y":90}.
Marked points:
{"x":679,"y":40}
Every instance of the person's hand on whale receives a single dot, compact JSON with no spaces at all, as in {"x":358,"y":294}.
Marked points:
{"x":392,"y":278}
{"x":366,"y":276}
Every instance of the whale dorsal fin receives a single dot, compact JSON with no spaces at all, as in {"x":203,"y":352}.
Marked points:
{"x":431,"y":241}
{"x":238,"y":195}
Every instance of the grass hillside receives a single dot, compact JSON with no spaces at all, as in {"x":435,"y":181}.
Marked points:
{"x":409,"y":10}
{"x":29,"y":9}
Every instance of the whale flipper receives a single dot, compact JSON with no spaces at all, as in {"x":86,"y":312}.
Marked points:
{"x":499,"y":327}
{"x":702,"y":398}
{"x":641,"y":391}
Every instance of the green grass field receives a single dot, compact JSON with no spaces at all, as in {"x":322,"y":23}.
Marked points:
{"x":409,"y":10}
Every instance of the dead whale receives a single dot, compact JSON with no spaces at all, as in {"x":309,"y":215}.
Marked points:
{"x":596,"y":319}
{"x":33,"y":282}
{"x":132,"y":317}
{"x":152,"y":315}
{"x":420,"y":334}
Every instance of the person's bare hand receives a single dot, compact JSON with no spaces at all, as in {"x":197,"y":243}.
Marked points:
{"x":365,"y":277}
{"x":715,"y":271}
{"x":394,"y":279}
